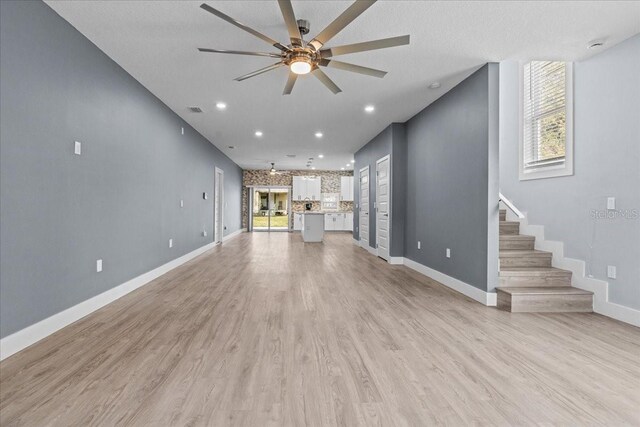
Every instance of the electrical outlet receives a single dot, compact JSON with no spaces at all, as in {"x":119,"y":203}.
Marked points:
{"x":611,"y":271}
{"x":611,"y":203}
{"x":204,"y":233}
{"x":418,"y":244}
{"x":182,"y":203}
{"x":98,"y":266}
{"x":170,"y":243}
{"x":448,"y":253}
{"x":77,"y":149}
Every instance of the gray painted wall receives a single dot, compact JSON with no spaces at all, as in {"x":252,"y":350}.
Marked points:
{"x":606,"y":163}
{"x":118,"y":201}
{"x":391,"y":141}
{"x":448,"y":181}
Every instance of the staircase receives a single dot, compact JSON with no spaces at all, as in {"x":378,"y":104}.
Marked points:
{"x":528,"y":282}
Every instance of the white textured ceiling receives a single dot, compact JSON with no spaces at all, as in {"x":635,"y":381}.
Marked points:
{"x":156,"y":41}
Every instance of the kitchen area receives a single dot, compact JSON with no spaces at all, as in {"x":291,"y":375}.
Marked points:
{"x":318,"y":202}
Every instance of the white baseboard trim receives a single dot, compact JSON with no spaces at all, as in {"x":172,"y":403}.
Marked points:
{"x":579,"y":279}
{"x":486,"y":298}
{"x":396,"y":260}
{"x":31,"y":334}
{"x":234,"y":234}
{"x":356,"y":241}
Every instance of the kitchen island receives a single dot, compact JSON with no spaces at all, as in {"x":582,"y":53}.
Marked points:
{"x":312,"y":227}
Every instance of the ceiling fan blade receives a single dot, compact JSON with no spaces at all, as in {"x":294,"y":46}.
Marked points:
{"x":290,"y":20}
{"x":320,"y":75}
{"x":332,"y":63}
{"x":260,"y":71}
{"x":240,"y":52}
{"x":238,"y":24}
{"x":338,"y":24}
{"x":291,"y":80}
{"x":365,"y":46}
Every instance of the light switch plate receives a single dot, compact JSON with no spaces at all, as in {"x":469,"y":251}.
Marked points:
{"x":170,"y":243}
{"x":611,"y":203}
{"x":448,"y":253}
{"x":205,"y":196}
{"x":182,"y":203}
{"x":418,"y":244}
{"x":182,"y":130}
{"x":98,"y":266}
{"x":77,"y":148}
{"x":611,"y":271}
{"x":204,"y":233}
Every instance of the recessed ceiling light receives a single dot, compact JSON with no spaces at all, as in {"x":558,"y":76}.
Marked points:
{"x":353,"y":161}
{"x":341,"y":169}
{"x":369,"y":108}
{"x":313,"y":168}
{"x":320,"y":156}
{"x":434,"y":85}
{"x":348,"y":164}
{"x":221,"y":106}
{"x":318,"y":134}
{"x":258,"y":133}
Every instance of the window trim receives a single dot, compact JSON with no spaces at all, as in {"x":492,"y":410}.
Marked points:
{"x":550,"y":171}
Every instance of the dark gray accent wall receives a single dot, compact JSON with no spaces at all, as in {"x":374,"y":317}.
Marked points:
{"x":447,"y":182}
{"x":374,"y":150}
{"x":391,"y":141}
{"x":119,"y":201}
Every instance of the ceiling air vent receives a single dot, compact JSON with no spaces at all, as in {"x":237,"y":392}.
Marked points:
{"x":291,"y":156}
{"x":195,"y":109}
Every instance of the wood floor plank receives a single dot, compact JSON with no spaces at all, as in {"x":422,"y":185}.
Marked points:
{"x":266,"y":330}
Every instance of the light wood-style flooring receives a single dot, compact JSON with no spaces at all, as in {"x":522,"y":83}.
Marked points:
{"x":266,"y":330}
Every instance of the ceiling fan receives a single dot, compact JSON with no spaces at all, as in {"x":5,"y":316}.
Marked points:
{"x":304,"y":57}
{"x":273,"y":170}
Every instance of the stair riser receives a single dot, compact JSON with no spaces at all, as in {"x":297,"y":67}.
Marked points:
{"x":545,"y":303}
{"x":535,"y":281}
{"x":503,"y":216}
{"x":517,"y":244}
{"x":509,"y":228}
{"x":514,"y":262}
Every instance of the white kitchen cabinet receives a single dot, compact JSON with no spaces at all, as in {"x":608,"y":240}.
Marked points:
{"x":348,"y":221}
{"x":338,"y":221}
{"x":297,"y":221}
{"x":346,"y":188}
{"x":299,"y":189}
{"x":306,"y":188}
{"x":314,"y":188}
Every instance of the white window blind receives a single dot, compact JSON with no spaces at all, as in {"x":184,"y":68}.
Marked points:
{"x":544,"y":115}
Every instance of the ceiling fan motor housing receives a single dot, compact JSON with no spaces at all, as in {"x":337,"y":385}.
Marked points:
{"x":303,"y":26}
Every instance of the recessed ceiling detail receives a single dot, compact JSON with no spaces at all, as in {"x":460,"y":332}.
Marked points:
{"x":304,"y":57}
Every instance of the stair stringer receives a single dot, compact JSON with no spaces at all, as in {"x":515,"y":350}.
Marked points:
{"x":579,"y":279}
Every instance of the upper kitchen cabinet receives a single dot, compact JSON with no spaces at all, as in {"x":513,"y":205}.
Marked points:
{"x":306,"y":188}
{"x":346,"y":188}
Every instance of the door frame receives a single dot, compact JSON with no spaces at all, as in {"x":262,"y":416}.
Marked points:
{"x":218,"y":233}
{"x":380,"y":160}
{"x":252,"y":189}
{"x":368,"y":246}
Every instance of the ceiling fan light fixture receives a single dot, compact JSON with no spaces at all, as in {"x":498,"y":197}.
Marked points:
{"x":300,"y":66}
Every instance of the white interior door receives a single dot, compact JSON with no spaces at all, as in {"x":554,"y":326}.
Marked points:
{"x":364,"y":207}
{"x":218,"y":198}
{"x":382,"y":207}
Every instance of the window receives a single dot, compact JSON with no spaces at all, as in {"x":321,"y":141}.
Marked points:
{"x":546,"y":146}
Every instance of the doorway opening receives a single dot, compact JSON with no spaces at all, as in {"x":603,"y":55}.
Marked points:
{"x":271,"y":209}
